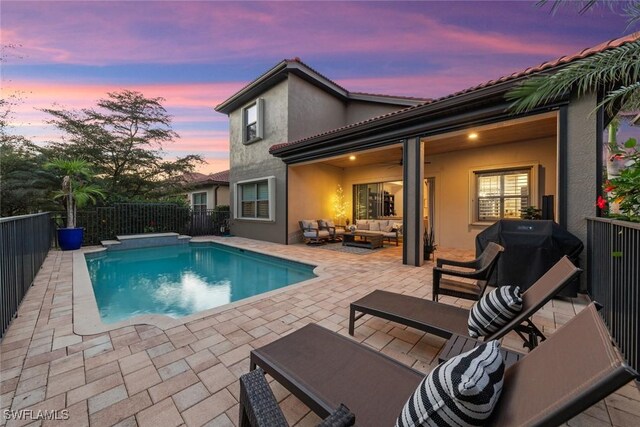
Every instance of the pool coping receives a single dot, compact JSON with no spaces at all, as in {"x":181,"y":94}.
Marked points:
{"x":87,"y":320}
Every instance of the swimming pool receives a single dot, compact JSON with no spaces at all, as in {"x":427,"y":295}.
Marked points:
{"x":183,"y":279}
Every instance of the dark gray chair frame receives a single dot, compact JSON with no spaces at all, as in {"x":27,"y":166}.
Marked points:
{"x":482,"y":267}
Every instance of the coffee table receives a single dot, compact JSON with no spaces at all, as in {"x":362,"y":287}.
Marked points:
{"x":363,"y":239}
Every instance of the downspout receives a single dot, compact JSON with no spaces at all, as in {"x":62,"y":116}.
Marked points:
{"x":215,"y":197}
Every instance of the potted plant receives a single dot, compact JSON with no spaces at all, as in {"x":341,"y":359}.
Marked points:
{"x":75,"y":192}
{"x":429,"y":243}
{"x":530,"y":212}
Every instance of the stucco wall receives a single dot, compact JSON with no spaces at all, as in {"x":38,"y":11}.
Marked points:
{"x":451,"y":171}
{"x":312,"y":110}
{"x":223,"y":196}
{"x":358,"y":111}
{"x":254,"y":161}
{"x":312,"y":190}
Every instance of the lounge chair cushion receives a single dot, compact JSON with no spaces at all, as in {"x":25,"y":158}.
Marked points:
{"x":374,"y":226}
{"x":309,"y":224}
{"x":494,"y":310}
{"x":461,"y":391}
{"x":362,"y":226}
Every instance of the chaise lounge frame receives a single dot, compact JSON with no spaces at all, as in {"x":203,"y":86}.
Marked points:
{"x":445,"y":320}
{"x":576,"y":367}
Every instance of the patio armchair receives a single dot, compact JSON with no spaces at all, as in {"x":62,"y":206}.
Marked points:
{"x":335,"y":232}
{"x":312,"y":232}
{"x":475,"y":278}
{"x":445,"y":320}
{"x":576,"y":367}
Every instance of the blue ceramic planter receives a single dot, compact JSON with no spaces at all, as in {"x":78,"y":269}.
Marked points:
{"x":70,"y":238}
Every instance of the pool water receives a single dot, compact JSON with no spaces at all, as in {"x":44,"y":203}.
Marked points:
{"x":183,"y":279}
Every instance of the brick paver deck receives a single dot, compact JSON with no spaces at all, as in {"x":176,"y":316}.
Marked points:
{"x":141,"y":375}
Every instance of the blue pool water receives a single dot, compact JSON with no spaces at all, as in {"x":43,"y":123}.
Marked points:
{"x":180,"y":280}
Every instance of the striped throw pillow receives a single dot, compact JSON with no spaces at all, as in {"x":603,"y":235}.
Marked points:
{"x":459,"y":392}
{"x":494,"y":310}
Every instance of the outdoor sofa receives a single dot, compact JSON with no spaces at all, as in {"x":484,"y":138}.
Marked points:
{"x":446,"y":320}
{"x":338,"y":377}
{"x":390,"y":229}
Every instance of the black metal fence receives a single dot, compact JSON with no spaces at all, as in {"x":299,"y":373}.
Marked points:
{"x":24,"y":243}
{"x":613,"y":250}
{"x":105,"y":223}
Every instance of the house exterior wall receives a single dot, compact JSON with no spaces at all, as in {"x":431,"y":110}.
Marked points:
{"x":311,"y":110}
{"x":452,"y":170}
{"x":254,"y":161}
{"x":223,"y":195}
{"x":358,"y":111}
{"x":312,"y":190}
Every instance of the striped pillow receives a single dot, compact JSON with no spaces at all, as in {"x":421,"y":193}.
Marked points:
{"x":459,"y":392}
{"x":494,"y":310}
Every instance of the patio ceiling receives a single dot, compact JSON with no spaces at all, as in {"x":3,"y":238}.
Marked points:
{"x":517,"y":130}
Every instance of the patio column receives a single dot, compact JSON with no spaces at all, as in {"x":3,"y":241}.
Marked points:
{"x":413,"y":222}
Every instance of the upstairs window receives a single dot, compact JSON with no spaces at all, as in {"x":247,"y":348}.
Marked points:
{"x":502,"y":194}
{"x":252,"y":122}
{"x":200,"y":202}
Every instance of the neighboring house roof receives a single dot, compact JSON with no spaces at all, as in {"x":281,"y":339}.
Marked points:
{"x":279,"y":73}
{"x":430,"y":104}
{"x":195,"y":179}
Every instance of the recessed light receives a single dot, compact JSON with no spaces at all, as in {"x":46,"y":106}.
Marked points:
{"x":352,"y":158}
{"x":473,"y":135}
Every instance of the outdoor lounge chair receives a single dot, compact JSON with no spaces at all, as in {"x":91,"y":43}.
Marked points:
{"x":575,"y":368}
{"x":335,"y":233}
{"x":445,"y":320}
{"x":477,"y":279}
{"x":312,"y":232}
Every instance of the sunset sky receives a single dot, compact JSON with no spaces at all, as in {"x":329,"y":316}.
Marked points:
{"x":196,"y":54}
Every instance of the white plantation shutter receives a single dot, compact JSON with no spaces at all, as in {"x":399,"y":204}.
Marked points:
{"x":257,"y":199}
{"x":502,"y":194}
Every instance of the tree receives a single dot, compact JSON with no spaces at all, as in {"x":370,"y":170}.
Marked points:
{"x":122,"y":139}
{"x":76,"y":191}
{"x":617,"y":70}
{"x":24,"y":183}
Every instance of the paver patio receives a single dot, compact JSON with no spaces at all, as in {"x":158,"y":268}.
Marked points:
{"x":187,"y":375}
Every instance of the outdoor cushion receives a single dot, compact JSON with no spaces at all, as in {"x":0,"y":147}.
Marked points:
{"x":494,"y":310}
{"x":361,"y":222}
{"x":461,"y":391}
{"x":306,"y":223}
{"x":321,"y":233}
{"x":362,"y":226}
{"x":374,"y":226}
{"x":387,"y":228}
{"x":397,"y":226}
{"x":389,"y":234}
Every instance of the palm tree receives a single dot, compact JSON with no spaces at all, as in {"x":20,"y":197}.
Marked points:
{"x":617,"y":70}
{"x":75,"y":191}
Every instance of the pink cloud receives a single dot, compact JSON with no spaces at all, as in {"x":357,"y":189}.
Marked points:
{"x":199,"y":32}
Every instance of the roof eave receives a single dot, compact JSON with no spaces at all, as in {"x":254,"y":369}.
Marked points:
{"x":493,"y":93}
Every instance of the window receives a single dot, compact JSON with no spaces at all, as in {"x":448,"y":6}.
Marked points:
{"x":252,"y":121}
{"x":256,"y":199}
{"x":200,"y":202}
{"x":501,"y":193}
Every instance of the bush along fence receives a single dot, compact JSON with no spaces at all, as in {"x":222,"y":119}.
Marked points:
{"x":613,"y":250}
{"x":24,"y":243}
{"x":105,"y":223}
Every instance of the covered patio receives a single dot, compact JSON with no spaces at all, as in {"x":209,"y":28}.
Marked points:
{"x":188,"y":375}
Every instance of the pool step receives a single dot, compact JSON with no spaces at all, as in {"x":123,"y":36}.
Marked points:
{"x":134,"y":241}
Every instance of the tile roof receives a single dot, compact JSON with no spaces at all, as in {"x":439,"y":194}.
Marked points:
{"x":611,"y":44}
{"x":196,"y":178}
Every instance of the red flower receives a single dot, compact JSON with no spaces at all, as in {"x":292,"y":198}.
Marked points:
{"x":601,"y":203}
{"x":608,"y":187}
{"x":616,"y":157}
